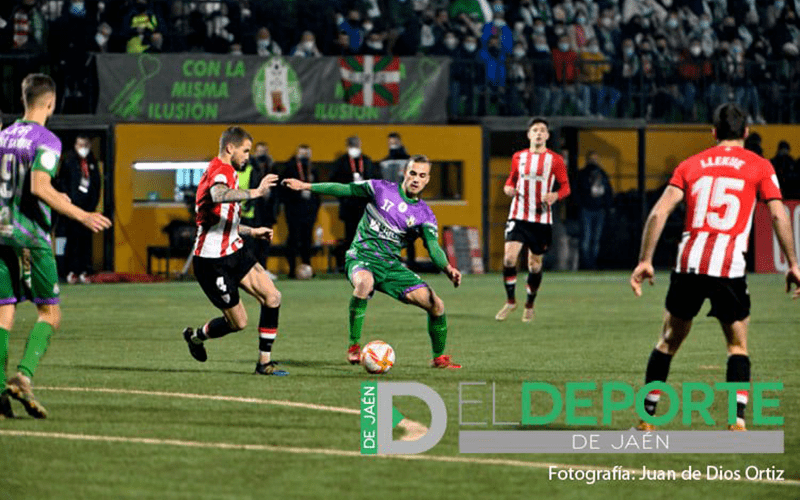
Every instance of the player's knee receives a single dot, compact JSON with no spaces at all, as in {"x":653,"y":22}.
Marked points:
{"x":238,"y":322}
{"x":52,"y":317}
{"x":508,"y":261}
{"x":437,"y":306}
{"x":534,"y":266}
{"x":273,"y":299}
{"x":362,"y":288}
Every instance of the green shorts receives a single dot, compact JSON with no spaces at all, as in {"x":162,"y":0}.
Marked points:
{"x":391,"y":276}
{"x":28,"y":274}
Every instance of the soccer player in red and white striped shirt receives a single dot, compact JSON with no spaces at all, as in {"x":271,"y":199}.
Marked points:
{"x":221,"y":263}
{"x":534,"y":172}
{"x":720,"y":187}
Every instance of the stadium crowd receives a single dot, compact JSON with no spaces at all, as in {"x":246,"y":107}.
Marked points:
{"x":671,"y":60}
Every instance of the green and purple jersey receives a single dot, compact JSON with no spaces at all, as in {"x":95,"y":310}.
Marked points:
{"x":25,"y":220}
{"x":391,"y":221}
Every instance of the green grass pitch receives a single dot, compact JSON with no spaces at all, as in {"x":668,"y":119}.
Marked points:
{"x":588,"y":327}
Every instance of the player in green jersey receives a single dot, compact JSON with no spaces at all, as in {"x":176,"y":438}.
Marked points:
{"x":29,"y":156}
{"x":395,"y":216}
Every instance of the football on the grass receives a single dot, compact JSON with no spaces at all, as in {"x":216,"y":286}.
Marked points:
{"x":304,"y":272}
{"x":377,"y":357}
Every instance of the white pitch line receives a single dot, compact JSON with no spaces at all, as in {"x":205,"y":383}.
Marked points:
{"x":333,"y":452}
{"x":412,"y":430}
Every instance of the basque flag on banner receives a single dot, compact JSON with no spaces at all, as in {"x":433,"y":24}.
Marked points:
{"x":370,"y":80}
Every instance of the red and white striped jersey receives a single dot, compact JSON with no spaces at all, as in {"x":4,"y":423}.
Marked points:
{"x":533,"y":176}
{"x":217,"y":223}
{"x":720,"y":187}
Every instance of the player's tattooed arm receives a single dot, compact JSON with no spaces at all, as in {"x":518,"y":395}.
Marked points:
{"x":220,"y":193}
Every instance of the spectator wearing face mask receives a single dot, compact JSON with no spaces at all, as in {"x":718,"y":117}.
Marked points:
{"x":79,"y":178}
{"x":265,"y":45}
{"x":609,"y":37}
{"x":520,"y":77}
{"x":544,"y":90}
{"x":567,"y":76}
{"x":673,"y":30}
{"x":737,"y":80}
{"x":695,"y":72}
{"x":498,"y":28}
{"x":353,"y":166}
{"x":494,"y":65}
{"x":374,"y":45}
{"x":352,"y":26}
{"x":300,"y":207}
{"x":102,"y":38}
{"x":74,"y":31}
{"x":262,"y":211}
{"x":307,"y":46}
{"x":595,"y":70}
{"x":629,"y":68}
{"x":464,"y":73}
{"x":581,"y":30}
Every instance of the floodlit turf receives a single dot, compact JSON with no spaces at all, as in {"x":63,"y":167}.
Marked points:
{"x":588,"y":327}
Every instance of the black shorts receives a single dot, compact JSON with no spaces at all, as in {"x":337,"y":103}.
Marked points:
{"x":730,"y":299}
{"x":536,"y":236}
{"x":220,"y":277}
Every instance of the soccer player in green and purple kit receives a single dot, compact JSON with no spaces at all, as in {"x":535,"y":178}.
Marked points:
{"x":28,"y":159}
{"x":394,"y":216}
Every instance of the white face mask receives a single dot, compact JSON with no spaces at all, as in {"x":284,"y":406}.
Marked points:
{"x":470,"y":47}
{"x":263,"y":44}
{"x":520,"y":53}
{"x":375,"y":45}
{"x":83,"y":152}
{"x":563,"y":47}
{"x":450,"y":43}
{"x":308,"y":45}
{"x":695,"y":50}
{"x":100,"y":39}
{"x":354,"y":152}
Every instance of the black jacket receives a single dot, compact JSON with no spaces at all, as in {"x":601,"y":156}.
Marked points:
{"x":594,"y":188}
{"x":84,"y":193}
{"x":299,"y":204}
{"x":352,"y":208}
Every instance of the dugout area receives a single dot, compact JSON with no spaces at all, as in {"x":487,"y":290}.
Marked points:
{"x":471,"y":163}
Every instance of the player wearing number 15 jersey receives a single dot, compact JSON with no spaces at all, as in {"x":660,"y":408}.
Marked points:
{"x":720,"y":187}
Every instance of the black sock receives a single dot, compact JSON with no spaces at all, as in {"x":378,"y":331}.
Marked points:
{"x":510,"y":282}
{"x":267,"y":328}
{"x":214,"y":329}
{"x":534,"y":280}
{"x":657,"y":371}
{"x":739,"y":371}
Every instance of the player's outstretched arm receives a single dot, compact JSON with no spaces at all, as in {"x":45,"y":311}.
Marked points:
{"x":42,"y":188}
{"x":783,"y":230}
{"x":259,"y":233}
{"x":652,"y":232}
{"x":354,"y":189}
{"x":220,"y":193}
